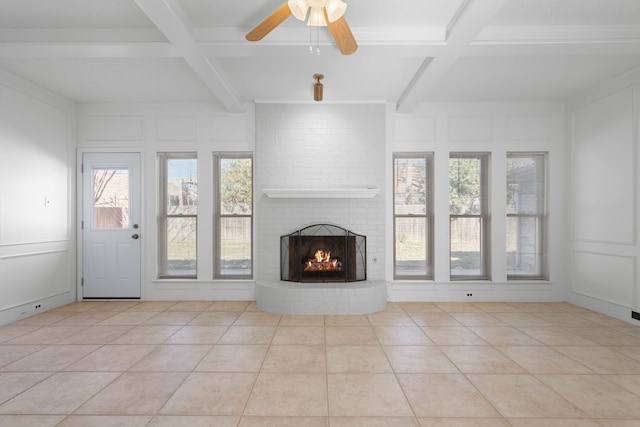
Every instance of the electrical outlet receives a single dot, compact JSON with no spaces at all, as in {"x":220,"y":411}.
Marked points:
{"x":469,"y":294}
{"x":38,"y":306}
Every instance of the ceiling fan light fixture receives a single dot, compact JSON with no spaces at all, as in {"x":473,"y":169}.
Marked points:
{"x":318,"y":13}
{"x":335,"y":9}
{"x":299,"y":8}
{"x":316,"y":18}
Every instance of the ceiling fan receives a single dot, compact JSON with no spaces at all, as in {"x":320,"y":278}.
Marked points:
{"x":321,"y":13}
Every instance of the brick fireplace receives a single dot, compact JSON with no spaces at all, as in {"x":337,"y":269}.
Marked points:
{"x":323,"y":271}
{"x":318,"y":164}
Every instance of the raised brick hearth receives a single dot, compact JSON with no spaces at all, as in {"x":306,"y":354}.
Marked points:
{"x":321,"y":298}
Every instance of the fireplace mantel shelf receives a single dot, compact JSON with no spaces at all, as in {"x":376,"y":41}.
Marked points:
{"x":321,"y":193}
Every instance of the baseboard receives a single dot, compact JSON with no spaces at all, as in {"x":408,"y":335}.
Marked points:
{"x":32,"y":308}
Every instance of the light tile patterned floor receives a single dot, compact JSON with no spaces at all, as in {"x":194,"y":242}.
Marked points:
{"x":229,"y":364}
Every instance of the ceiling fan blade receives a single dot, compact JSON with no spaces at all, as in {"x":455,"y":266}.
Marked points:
{"x":342,"y":34}
{"x":269,"y":23}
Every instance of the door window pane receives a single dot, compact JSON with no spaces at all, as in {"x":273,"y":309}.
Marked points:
{"x":110,"y":198}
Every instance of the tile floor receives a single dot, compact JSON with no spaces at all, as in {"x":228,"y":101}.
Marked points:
{"x":229,"y":364}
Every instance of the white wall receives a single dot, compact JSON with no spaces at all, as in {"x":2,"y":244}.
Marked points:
{"x":320,"y":146}
{"x":594,"y":204}
{"x":153,"y":128}
{"x":604,"y":218}
{"x":342,"y":146}
{"x":37,"y":242}
{"x":495,"y":128}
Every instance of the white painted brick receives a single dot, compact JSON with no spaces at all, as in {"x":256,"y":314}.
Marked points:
{"x":321,"y":298}
{"x":318,"y":147}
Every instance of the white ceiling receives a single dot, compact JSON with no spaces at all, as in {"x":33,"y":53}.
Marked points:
{"x":410,"y":51}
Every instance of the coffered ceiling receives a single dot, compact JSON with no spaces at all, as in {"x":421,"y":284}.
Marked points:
{"x":410,"y":51}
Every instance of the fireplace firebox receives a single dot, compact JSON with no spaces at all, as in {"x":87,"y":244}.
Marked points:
{"x":323,"y":253}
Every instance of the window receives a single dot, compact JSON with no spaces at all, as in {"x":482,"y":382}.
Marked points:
{"x":234,"y":215}
{"x":468,"y":215}
{"x":111,"y":196}
{"x":526,"y":215}
{"x":413,"y":216}
{"x":178,"y":215}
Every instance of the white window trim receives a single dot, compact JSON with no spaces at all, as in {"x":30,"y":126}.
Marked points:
{"x":484,"y":216}
{"x":217,"y":261}
{"x":428,"y":216}
{"x":163,"y":157}
{"x":541,"y":216}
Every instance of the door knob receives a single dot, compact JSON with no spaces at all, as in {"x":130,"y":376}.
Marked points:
{"x":135,"y":236}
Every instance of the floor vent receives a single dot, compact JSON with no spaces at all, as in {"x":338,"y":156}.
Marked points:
{"x":635,"y":315}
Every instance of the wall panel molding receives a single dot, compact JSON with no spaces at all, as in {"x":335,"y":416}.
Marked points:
{"x":414,"y":128}
{"x":603,"y":276}
{"x":30,"y":277}
{"x":114,"y":128}
{"x":604,"y":161}
{"x":528,"y":128}
{"x":470,"y":128}
{"x":177,"y":128}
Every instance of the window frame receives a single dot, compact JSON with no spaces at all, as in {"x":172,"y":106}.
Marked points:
{"x":164,"y":216}
{"x":484,"y":217}
{"x":541,"y":217}
{"x":218,"y":216}
{"x":428,"y":216}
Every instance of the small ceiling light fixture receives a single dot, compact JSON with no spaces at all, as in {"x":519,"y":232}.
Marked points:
{"x":317,"y":87}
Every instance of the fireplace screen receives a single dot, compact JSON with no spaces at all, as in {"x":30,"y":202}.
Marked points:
{"x":323,"y":253}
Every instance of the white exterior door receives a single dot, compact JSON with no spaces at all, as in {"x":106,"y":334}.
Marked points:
{"x":111,"y":225}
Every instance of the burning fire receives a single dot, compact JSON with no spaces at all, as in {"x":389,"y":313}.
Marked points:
{"x":322,"y":256}
{"x":322,"y":261}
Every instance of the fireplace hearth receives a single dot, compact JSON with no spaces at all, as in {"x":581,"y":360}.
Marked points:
{"x":323,"y":253}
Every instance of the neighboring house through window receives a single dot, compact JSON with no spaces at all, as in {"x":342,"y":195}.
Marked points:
{"x":178,"y":215}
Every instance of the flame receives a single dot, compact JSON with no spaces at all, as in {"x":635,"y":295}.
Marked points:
{"x":322,"y":261}
{"x":322,"y":256}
